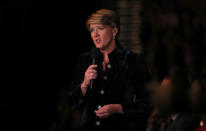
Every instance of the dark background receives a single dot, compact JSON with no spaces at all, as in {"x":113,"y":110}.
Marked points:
{"x":63,"y":38}
{"x":40,"y":42}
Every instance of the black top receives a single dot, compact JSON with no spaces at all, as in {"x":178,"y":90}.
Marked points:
{"x":122,"y":82}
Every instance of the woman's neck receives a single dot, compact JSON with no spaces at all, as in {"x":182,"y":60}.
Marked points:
{"x":109,"y":49}
{"x":105,"y":61}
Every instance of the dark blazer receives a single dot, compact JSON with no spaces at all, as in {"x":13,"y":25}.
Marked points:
{"x":123,"y":82}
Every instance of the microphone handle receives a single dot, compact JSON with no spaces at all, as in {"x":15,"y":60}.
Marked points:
{"x":93,"y":61}
{"x":91,"y":83}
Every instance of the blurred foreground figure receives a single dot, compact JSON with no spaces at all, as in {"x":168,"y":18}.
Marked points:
{"x":198,"y":100}
{"x":172,"y":112}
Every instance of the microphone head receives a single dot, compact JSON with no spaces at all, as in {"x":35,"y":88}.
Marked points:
{"x":94,"y":53}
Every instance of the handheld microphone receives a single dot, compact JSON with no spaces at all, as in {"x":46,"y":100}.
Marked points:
{"x":94,"y":55}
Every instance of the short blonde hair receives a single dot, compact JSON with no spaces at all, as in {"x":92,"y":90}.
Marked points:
{"x":105,"y":17}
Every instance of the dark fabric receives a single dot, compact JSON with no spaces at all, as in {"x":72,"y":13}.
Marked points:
{"x":123,"y":82}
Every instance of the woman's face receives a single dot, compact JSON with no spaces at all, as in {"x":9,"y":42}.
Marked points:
{"x":102,"y":35}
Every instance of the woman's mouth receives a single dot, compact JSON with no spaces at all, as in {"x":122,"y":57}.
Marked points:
{"x":98,"y":40}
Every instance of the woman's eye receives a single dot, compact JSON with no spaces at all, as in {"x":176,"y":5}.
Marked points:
{"x":91,"y":30}
{"x":101,"y":28}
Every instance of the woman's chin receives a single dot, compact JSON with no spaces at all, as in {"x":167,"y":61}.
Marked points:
{"x":98,"y":46}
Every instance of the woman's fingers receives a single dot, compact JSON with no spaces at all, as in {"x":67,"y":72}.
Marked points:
{"x":102,"y":114}
{"x":91,"y":72}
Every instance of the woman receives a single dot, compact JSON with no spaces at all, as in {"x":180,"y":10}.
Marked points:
{"x":110,"y":92}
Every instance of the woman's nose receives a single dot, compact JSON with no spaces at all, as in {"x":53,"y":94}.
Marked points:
{"x":96,"y":33}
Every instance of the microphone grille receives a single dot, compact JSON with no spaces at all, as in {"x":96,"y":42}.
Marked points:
{"x":94,"y":52}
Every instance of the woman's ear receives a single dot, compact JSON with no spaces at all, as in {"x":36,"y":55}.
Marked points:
{"x":115,"y":31}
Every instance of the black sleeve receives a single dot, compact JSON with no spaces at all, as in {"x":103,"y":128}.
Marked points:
{"x":70,"y":100}
{"x":74,"y":93}
{"x":136,"y":104}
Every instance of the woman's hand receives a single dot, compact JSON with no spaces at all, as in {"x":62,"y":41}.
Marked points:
{"x":89,"y":75}
{"x":108,"y":110}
